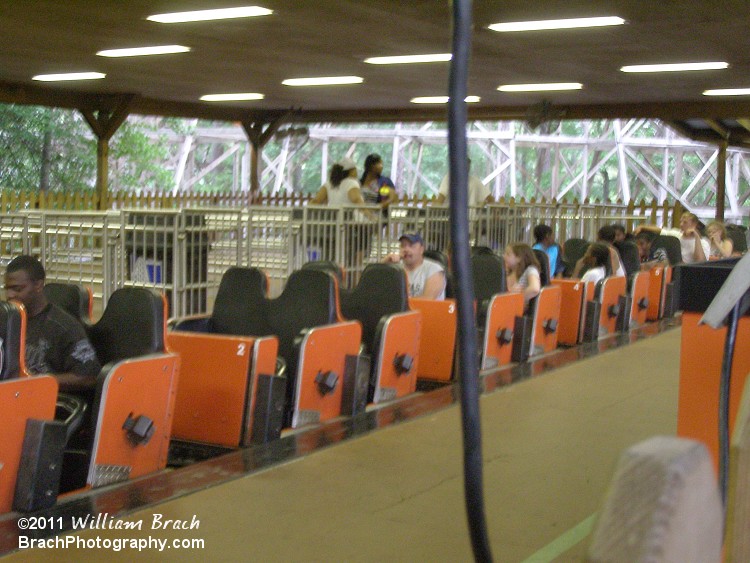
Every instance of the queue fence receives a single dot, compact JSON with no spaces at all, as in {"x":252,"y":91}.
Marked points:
{"x":185,"y":252}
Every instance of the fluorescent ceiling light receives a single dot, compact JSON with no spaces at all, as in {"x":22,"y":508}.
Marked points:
{"x":407,"y":59}
{"x":206,"y":15}
{"x":141,"y":51}
{"x":323,"y":81}
{"x":557,"y":24}
{"x":540,"y":87}
{"x":675,"y":67}
{"x":68,"y":76}
{"x":232,"y":97}
{"x":442,"y":100}
{"x":728,"y":92}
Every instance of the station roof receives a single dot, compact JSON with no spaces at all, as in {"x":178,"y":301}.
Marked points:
{"x":333,"y":37}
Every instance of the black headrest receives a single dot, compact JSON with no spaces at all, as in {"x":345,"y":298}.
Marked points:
{"x":240,"y":306}
{"x":309,"y":299}
{"x":438,"y":257}
{"x":132,"y":325}
{"x":488,"y":271}
{"x":671,"y":246}
{"x":574,"y":248}
{"x":326,"y":266}
{"x":543,"y":259}
{"x":382,"y":290}
{"x":71,"y":298}
{"x":477,"y":250}
{"x":737,"y":234}
{"x":629,"y":256}
{"x":10,"y":336}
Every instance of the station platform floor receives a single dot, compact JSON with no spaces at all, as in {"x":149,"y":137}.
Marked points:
{"x":550,"y":444}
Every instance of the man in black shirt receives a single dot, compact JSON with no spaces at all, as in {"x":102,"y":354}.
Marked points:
{"x":56,"y":343}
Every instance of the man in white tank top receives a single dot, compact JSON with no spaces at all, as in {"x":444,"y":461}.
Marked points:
{"x":426,"y":277}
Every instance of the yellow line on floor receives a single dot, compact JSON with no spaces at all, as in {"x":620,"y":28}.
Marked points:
{"x":564,"y":542}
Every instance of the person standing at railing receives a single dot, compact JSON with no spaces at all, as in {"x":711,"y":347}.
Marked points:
{"x":56,"y":343}
{"x":479,"y":194}
{"x":342,"y":190}
{"x":376,"y":188}
{"x":695,"y":248}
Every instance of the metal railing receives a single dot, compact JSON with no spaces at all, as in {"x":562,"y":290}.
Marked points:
{"x":184,"y":253}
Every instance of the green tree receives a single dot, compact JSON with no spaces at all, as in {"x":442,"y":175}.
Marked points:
{"x":45,"y":148}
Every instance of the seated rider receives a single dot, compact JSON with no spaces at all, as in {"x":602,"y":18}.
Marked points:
{"x":545,"y":241}
{"x":597,"y":259}
{"x":426,"y":277}
{"x":56,"y":343}
{"x":650,"y":255}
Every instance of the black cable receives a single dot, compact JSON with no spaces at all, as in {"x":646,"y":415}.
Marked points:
{"x":467,"y":336}
{"x":724,"y":394}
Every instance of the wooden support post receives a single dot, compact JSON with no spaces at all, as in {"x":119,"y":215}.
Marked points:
{"x":105,"y":123}
{"x":258,"y":137}
{"x":721,"y":181}
{"x":254,"y":132}
{"x":102,"y":172}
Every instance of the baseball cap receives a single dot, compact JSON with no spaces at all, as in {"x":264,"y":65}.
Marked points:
{"x":347,"y":163}
{"x":412,"y":238}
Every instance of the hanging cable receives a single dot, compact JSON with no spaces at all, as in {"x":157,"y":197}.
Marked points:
{"x":724,"y":387}
{"x":467,"y":336}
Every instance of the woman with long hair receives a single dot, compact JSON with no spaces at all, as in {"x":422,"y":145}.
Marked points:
{"x":342,"y":187}
{"x":523,"y":271}
{"x":597,"y":259}
{"x":376,"y":188}
{"x":721,"y":245}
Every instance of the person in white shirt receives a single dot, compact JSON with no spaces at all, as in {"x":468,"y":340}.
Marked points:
{"x":523,"y":271}
{"x":605,"y":236}
{"x":694,"y":247}
{"x":721,"y":245}
{"x":426,"y":277}
{"x":342,"y":189}
{"x":596,"y":257}
{"x":479,"y":194}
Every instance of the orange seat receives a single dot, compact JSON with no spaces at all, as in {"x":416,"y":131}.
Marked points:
{"x":20,"y":400}
{"x":397,"y":362}
{"x":546,"y":318}
{"x":134,"y":403}
{"x":217,"y":406}
{"x":655,"y":292}
{"x":572,"y":311}
{"x":610,"y":291}
{"x":502,"y":311}
{"x":701,"y":357}
{"x":438,"y":341}
{"x":390,"y":331}
{"x":639,"y":285}
{"x":305,"y":320}
{"x":319,"y":381}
